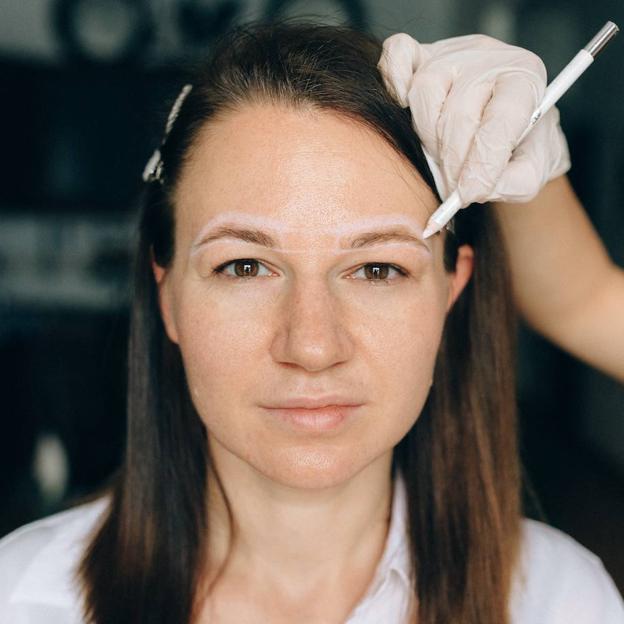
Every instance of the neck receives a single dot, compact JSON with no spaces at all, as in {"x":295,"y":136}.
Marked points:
{"x":298,"y":541}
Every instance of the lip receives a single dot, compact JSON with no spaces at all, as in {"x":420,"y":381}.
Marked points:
{"x":311,"y":403}
{"x":326,"y":418}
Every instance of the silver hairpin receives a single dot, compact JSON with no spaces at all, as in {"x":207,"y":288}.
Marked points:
{"x":153,"y":170}
{"x":175,"y":109}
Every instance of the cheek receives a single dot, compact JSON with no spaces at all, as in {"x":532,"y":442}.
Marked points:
{"x":403,"y":328}
{"x":216,"y":340}
{"x":404,"y":359}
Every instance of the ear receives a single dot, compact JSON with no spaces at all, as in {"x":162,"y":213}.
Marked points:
{"x":165,"y":299}
{"x":459,"y":278}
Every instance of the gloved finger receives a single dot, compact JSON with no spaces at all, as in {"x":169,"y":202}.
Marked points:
{"x":426,"y":97}
{"x":401,"y":56}
{"x":562,"y":163}
{"x":438,"y":177}
{"x":515,"y":97}
{"x":522,"y":178}
{"x":458,"y":124}
{"x":531,"y":165}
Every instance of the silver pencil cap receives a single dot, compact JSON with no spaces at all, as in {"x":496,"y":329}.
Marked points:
{"x":602,"y":37}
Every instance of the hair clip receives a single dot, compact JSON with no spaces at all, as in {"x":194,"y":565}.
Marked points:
{"x":153,"y":170}
{"x":175,"y":109}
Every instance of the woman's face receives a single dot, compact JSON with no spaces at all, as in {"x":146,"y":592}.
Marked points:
{"x":312,"y":315}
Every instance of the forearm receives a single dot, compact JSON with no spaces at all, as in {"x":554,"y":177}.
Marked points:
{"x":565,"y":284}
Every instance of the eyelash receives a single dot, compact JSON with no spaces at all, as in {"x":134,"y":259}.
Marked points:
{"x":219,"y":270}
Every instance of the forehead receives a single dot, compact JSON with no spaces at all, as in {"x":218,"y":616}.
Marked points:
{"x":301,"y":169}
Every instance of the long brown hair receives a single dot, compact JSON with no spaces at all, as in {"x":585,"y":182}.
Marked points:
{"x":459,"y":460}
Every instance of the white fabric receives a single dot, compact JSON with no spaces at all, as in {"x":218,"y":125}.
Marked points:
{"x":559,"y":582}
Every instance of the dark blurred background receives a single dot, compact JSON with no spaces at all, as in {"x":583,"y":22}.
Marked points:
{"x":85,"y":86}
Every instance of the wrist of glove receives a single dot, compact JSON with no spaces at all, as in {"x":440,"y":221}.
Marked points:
{"x":470,"y":99}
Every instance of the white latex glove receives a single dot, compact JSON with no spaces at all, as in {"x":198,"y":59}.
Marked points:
{"x":470,"y":99}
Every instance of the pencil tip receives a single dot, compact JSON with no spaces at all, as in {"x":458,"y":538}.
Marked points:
{"x":432,"y":228}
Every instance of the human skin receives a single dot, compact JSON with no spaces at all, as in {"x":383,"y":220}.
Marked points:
{"x":310,"y":509}
{"x":566,"y":285}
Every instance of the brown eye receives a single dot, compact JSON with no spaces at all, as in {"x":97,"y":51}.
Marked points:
{"x":248,"y":268}
{"x":378,"y":272}
{"x":243,"y":268}
{"x":374,"y":271}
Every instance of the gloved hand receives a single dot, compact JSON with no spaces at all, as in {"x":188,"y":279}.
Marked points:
{"x":470,"y":99}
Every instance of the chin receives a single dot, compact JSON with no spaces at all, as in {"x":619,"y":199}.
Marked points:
{"x":312,"y":468}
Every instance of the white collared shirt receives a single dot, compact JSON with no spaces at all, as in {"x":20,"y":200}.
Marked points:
{"x":558,"y":580}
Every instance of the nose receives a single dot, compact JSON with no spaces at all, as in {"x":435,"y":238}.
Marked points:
{"x":312,"y":329}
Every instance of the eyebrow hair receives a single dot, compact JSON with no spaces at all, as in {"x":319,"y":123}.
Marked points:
{"x":259,"y":237}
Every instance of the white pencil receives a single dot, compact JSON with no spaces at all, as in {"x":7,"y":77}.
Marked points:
{"x":566,"y":78}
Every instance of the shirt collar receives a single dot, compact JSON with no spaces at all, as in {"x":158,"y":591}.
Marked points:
{"x":390,"y":589}
{"x":398,"y":539}
{"x":396,"y":557}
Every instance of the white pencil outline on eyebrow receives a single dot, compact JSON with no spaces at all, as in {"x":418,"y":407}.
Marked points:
{"x":264,"y":239}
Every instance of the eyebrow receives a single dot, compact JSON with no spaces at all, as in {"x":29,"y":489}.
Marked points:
{"x":259,"y":237}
